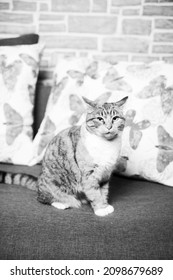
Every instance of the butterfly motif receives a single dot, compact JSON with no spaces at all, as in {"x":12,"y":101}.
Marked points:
{"x":29,"y":60}
{"x":158,"y":87}
{"x":58,"y":88}
{"x":3,"y":58}
{"x":165,"y":149}
{"x":143,"y":71}
{"x":14,"y":123}
{"x":77,"y":106}
{"x":10,"y":72}
{"x":135,"y":134}
{"x":113,"y":81}
{"x":46,"y":135}
{"x":91,"y":71}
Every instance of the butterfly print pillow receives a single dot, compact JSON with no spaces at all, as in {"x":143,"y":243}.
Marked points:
{"x":73,"y":79}
{"x":149,"y":107}
{"x":18,"y":76}
{"x":147,"y":144}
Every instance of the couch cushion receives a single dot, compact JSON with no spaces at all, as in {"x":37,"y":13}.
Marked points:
{"x":147,"y":146}
{"x":42,"y":95}
{"x":19,"y":65}
{"x":74,"y":78}
{"x":140,"y":228}
{"x":27,"y":39}
{"x":21,"y":169}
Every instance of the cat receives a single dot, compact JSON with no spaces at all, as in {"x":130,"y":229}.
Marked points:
{"x":79,"y":160}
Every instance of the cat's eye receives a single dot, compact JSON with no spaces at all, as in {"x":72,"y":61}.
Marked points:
{"x":115,"y":118}
{"x":100,"y":119}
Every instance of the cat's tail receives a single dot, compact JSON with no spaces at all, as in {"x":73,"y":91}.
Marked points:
{"x":28,"y":181}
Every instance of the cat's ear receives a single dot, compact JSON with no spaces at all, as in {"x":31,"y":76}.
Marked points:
{"x":103,"y":98}
{"x":121,"y":102}
{"x":90,"y":104}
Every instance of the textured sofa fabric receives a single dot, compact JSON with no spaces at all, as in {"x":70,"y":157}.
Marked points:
{"x":27,"y":39}
{"x":140,"y":228}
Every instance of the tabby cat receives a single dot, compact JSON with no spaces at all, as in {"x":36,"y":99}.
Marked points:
{"x":78,"y":162}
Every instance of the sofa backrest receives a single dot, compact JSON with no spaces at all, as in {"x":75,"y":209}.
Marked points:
{"x":42,"y":94}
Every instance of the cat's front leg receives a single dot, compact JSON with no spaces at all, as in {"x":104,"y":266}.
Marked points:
{"x":98,"y":197}
{"x":109,"y":208}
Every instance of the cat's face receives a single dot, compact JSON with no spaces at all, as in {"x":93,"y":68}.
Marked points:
{"x":107,"y":120}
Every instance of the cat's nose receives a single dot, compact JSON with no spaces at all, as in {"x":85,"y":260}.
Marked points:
{"x":108,"y":123}
{"x":109,"y":126}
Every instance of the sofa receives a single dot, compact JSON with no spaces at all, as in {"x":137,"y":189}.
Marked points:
{"x":140,"y":228}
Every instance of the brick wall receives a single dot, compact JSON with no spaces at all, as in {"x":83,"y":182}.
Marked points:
{"x":128,"y":30}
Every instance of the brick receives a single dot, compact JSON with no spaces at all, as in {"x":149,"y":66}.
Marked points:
{"x":163,"y":49}
{"x":70,"y":6}
{"x":115,"y":11}
{"x":153,"y":10}
{"x":24,"y":6}
{"x":17,"y":29}
{"x":164,"y":23}
{"x":168,"y":59}
{"x":4,"y":6}
{"x":83,"y":54}
{"x":163,"y":37}
{"x":52,"y":28}
{"x":126,"y":2}
{"x":70,"y":42}
{"x":125,"y":44}
{"x":44,"y":7}
{"x":55,"y":55}
{"x":158,"y":1}
{"x":93,"y":24}
{"x":113,"y":59}
{"x":16,"y":17}
{"x":136,"y":26}
{"x":51,"y":17}
{"x":99,"y":6}
{"x":131,"y":12}
{"x":146,"y":59}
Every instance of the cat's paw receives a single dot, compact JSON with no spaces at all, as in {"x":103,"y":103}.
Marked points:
{"x":104,"y":211}
{"x":72,"y":203}
{"x":60,"y":205}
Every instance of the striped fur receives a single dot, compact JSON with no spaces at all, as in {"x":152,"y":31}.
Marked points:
{"x":24,"y":180}
{"x":79,"y":161}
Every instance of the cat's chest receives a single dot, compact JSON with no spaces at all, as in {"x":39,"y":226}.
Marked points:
{"x":102,"y":152}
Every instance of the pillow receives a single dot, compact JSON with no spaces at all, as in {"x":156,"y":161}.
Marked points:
{"x":147,"y":144}
{"x":27,"y":39}
{"x":74,"y":78}
{"x":19,"y":67}
{"x":147,"y":147}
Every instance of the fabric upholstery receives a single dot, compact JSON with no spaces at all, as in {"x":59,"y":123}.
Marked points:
{"x":22,"y":169}
{"x":140,"y":228}
{"x":42,"y":94}
{"x":27,"y":39}
{"x":19,"y":66}
{"x":147,"y":142}
{"x":74,"y":78}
